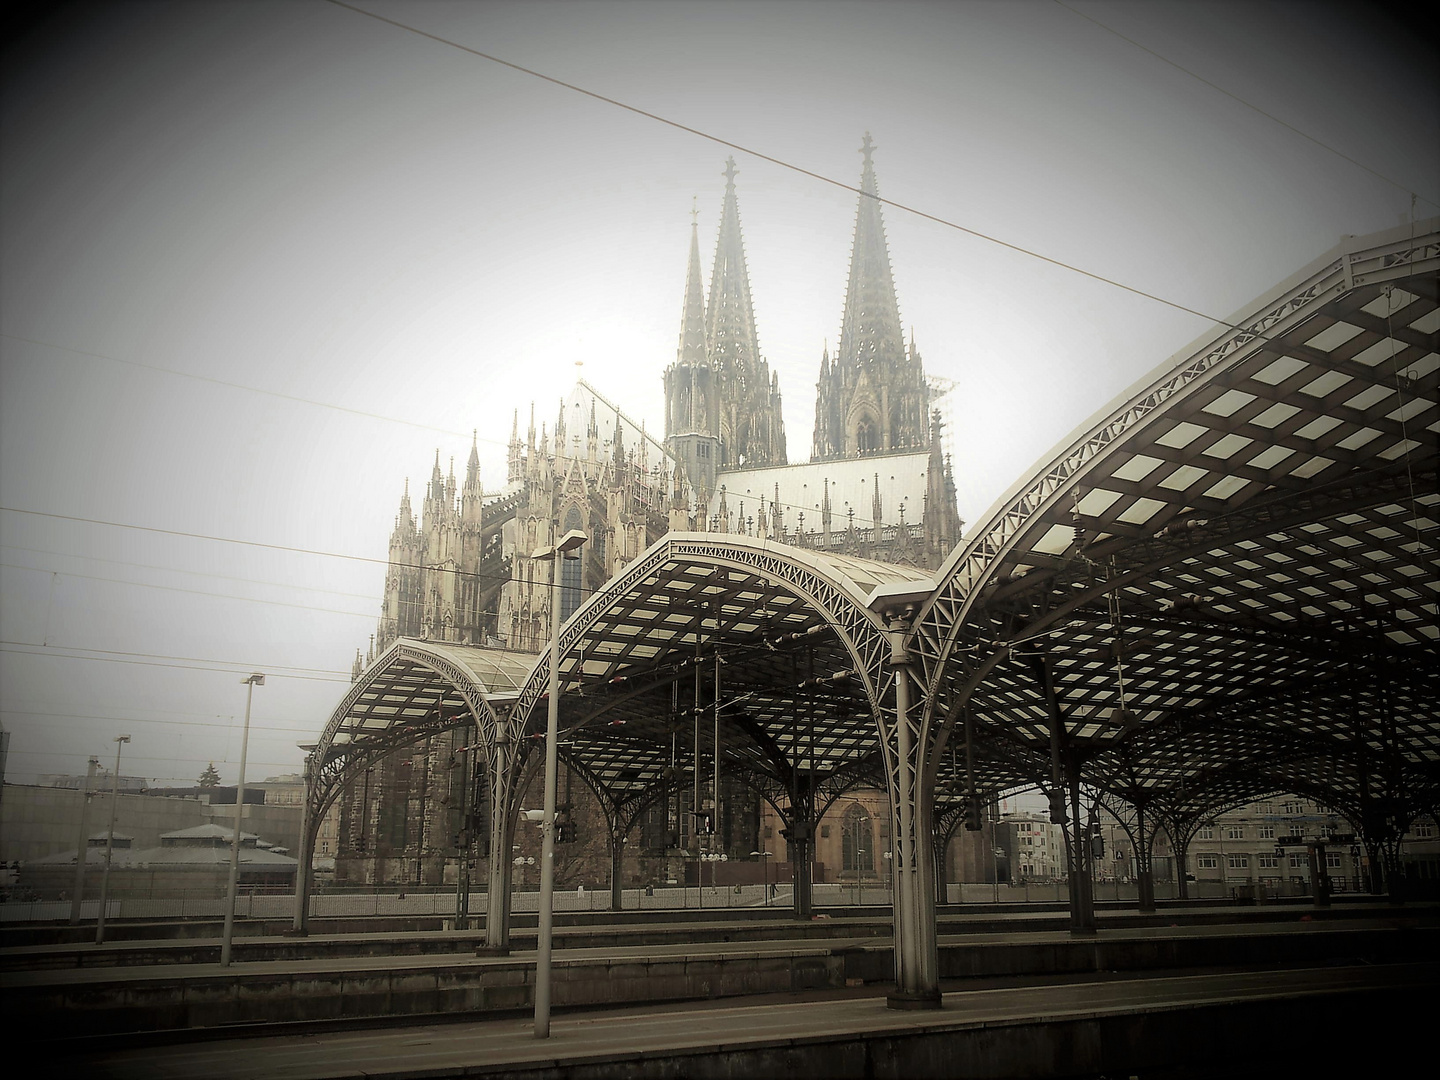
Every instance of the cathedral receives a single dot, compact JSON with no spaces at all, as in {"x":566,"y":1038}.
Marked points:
{"x":878,"y":483}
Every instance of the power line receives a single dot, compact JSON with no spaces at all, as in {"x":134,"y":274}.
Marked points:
{"x":1249,"y":105}
{"x":182,"y":570}
{"x":213,"y":728}
{"x":782,"y":163}
{"x":484,"y":579}
{"x":152,"y":757}
{"x":59,"y":652}
{"x":193,"y":592}
{"x":252,"y":389}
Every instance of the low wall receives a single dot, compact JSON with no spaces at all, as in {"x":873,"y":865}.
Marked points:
{"x":218,"y":999}
{"x":53,"y":1003}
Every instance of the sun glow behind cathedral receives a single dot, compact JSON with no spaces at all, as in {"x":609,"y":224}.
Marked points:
{"x":878,"y":483}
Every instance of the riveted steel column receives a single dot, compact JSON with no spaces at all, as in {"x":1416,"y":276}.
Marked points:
{"x":617,"y":861}
{"x":309,"y":825}
{"x":497,"y":882}
{"x":1144,"y":840}
{"x":917,"y":958}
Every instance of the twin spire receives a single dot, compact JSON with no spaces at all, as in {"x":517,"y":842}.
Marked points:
{"x":692,"y":321}
{"x":730,"y":319}
{"x":871,"y":329}
{"x":871,"y":396}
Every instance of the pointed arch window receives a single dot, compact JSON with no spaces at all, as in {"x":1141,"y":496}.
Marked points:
{"x":857,"y":841}
{"x":867,"y":435}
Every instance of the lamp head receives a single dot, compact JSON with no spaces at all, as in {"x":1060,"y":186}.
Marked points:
{"x":900,"y":596}
{"x":254,"y":680}
{"x":571,"y":541}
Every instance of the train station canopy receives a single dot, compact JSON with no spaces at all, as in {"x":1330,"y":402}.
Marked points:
{"x":412,"y":689}
{"x":1226,"y":584}
{"x":776,"y":641}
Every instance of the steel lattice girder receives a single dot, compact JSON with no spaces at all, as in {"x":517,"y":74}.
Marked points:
{"x":1249,"y":541}
{"x":799,"y":655}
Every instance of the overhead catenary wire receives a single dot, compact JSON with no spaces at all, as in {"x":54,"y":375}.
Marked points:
{"x":206,"y":725}
{"x":229,"y":384}
{"x":29,"y":648}
{"x":180,"y":570}
{"x":192,"y":592}
{"x":782,"y":163}
{"x":371,"y":559}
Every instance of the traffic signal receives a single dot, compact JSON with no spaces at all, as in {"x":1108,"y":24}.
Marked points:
{"x":704,"y":824}
{"x":1097,"y":842}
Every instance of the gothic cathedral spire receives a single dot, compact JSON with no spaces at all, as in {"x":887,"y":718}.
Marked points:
{"x":722,"y":405}
{"x":872,"y":397}
{"x":730,"y":320}
{"x":692,"y":320}
{"x":871,"y":329}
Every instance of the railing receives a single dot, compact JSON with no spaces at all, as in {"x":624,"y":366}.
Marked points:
{"x":439,"y":901}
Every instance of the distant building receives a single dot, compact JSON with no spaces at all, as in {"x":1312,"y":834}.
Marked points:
{"x":191,"y":862}
{"x":101,"y":781}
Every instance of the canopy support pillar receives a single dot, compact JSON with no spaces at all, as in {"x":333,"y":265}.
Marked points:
{"x":917,"y":954}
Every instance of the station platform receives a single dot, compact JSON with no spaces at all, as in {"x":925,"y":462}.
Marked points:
{"x":1218,"y":1024}
{"x":177,"y":989}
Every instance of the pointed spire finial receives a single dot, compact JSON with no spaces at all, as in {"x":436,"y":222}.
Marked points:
{"x":730,"y":335}
{"x":694,"y":211}
{"x":871,"y":330}
{"x":867,"y":147}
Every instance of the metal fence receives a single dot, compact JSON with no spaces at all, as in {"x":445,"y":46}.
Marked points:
{"x":438,"y":902}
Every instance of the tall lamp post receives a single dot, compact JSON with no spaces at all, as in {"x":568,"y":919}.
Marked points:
{"x":120,"y":741}
{"x":570,"y":542}
{"x":82,"y":846}
{"x":250,"y":681}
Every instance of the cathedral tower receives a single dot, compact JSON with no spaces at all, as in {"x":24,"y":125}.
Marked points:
{"x":692,"y":401}
{"x":722,"y":404}
{"x":871,"y":396}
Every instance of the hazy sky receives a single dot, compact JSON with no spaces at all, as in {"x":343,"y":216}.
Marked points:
{"x":261,"y":259}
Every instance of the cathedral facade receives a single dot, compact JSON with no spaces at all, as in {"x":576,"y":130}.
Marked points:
{"x":878,"y":485}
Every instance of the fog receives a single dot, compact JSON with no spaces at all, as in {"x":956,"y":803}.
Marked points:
{"x":262,"y":260}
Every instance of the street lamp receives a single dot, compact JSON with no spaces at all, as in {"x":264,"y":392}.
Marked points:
{"x":250,"y":681}
{"x":569,"y":543}
{"x":712,"y":857}
{"x":120,"y":741}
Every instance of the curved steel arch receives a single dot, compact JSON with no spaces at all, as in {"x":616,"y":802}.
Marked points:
{"x":394,"y":704}
{"x":971,"y":567}
{"x":1171,"y":486}
{"x":809,"y":576}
